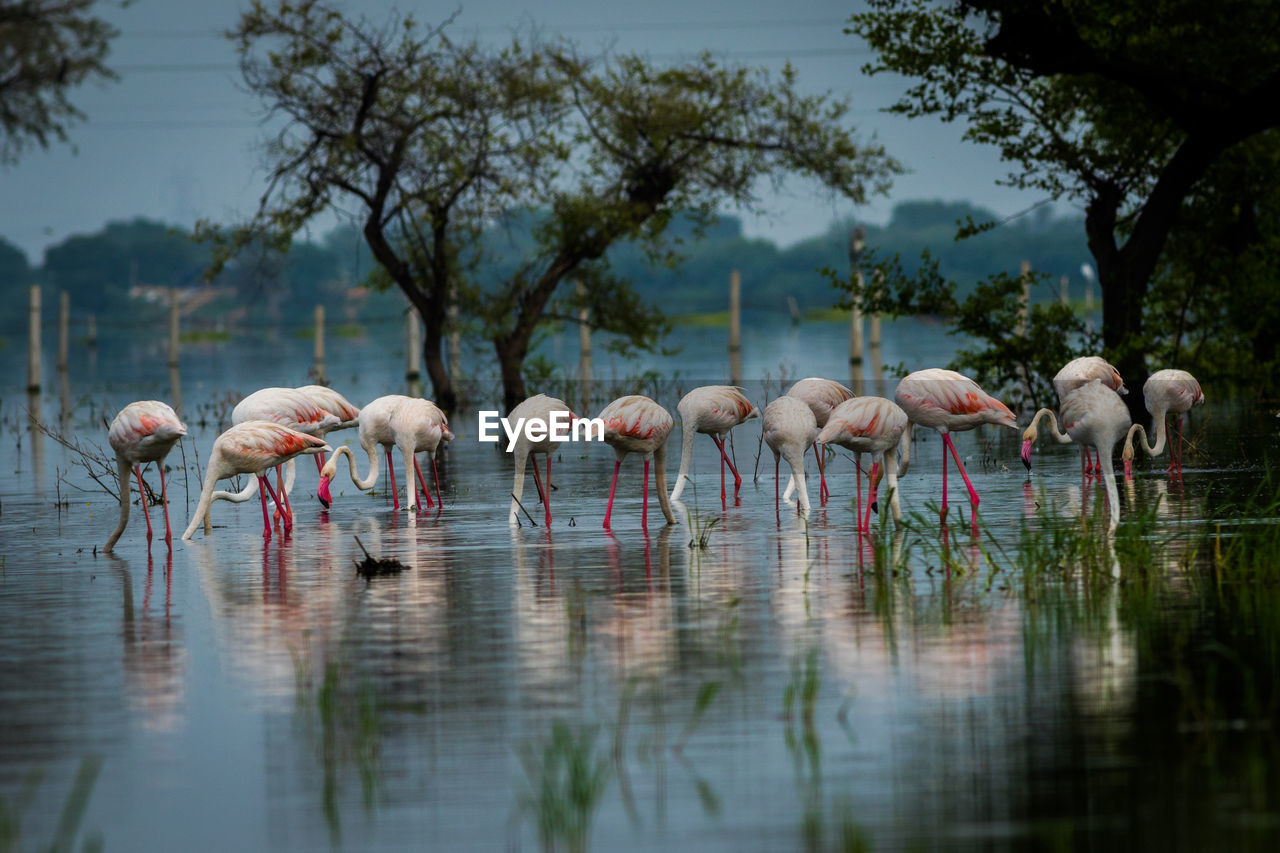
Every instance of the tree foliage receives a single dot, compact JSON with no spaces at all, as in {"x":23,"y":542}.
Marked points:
{"x":47,"y":49}
{"x":1123,"y":107}
{"x":427,"y":142}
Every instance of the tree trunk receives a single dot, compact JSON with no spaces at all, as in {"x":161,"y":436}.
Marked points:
{"x":511,"y":351}
{"x":442,"y":390}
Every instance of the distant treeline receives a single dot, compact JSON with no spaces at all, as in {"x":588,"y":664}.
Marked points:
{"x":116,"y":273}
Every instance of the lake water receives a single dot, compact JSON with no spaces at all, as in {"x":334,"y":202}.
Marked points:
{"x":783,"y":686}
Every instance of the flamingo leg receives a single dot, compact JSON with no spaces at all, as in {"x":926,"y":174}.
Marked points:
{"x":823,"y":491}
{"x":737,"y":478}
{"x":644,"y":501}
{"x":287,"y":515}
{"x":435,"y":472}
{"x":266,"y":517}
{"x":391,"y":472}
{"x":608,"y":510}
{"x":547,"y":503}
{"x":857,"y":510}
{"x":943,"y":512}
{"x":973,"y":493}
{"x":142,"y":499}
{"x":422,"y":481}
{"x":164,"y":497}
{"x":544,"y":493}
{"x":319,"y":457}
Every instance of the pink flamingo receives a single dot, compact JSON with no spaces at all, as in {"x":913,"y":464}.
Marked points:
{"x":870,"y":425}
{"x":1095,"y":416}
{"x":1081,"y":371}
{"x":790,"y":427}
{"x":253,"y":447}
{"x":713,"y":410}
{"x":374,"y":430}
{"x":419,"y":426}
{"x":335,"y":404}
{"x":142,"y":432}
{"x":947,"y":402}
{"x":287,"y":407}
{"x":636,"y":424}
{"x":822,"y":397}
{"x":538,"y":407}
{"x":1166,"y":392}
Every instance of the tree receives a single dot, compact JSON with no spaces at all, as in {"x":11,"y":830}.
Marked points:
{"x":427,"y":139}
{"x":1122,"y":106}
{"x":645,"y":145}
{"x":47,"y":48}
{"x":435,"y":142}
{"x":15,"y":272}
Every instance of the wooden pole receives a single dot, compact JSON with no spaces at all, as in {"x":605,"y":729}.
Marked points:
{"x":33,"y":341}
{"x":1088,"y":306}
{"x":855,"y":340}
{"x":64,"y":328}
{"x":413,"y":352}
{"x":93,"y":331}
{"x":173,"y":327}
{"x":877,"y":358}
{"x":735,"y":328}
{"x":320,"y":377}
{"x":584,"y":349}
{"x":455,"y":346}
{"x":1064,"y":290}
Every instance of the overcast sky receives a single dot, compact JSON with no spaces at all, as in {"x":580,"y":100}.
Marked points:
{"x":176,"y":138}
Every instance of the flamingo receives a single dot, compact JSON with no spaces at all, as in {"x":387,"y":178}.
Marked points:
{"x":790,"y":427}
{"x":822,"y":397}
{"x":1166,"y":392}
{"x":1078,"y":372}
{"x":538,"y":407}
{"x":374,"y":429}
{"x":1092,"y":415}
{"x":713,"y":410}
{"x":870,"y":425}
{"x":947,"y":402}
{"x":253,"y":447}
{"x":636,"y":424}
{"x":419,"y":426}
{"x":142,"y":432}
{"x":287,"y":407}
{"x":335,"y":404}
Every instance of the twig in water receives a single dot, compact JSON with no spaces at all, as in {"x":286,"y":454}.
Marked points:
{"x":526,"y":512}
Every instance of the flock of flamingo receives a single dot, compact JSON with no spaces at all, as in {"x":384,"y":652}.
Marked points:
{"x":273,"y":426}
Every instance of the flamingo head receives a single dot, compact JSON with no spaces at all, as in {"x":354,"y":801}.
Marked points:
{"x":323,"y":491}
{"x":1026,"y":451}
{"x":1127,"y":456}
{"x":877,"y":474}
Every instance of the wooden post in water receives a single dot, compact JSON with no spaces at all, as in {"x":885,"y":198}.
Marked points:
{"x":877,"y":358}
{"x":1024,"y":301}
{"x":318,"y":357}
{"x":1088,"y":305}
{"x":93,"y":331}
{"x":1064,"y":290}
{"x":735,"y":328}
{"x":857,"y":242}
{"x":455,"y":346}
{"x":173,"y":327}
{"x":33,"y":341}
{"x":584,"y":350}
{"x":64,"y":328}
{"x":413,"y":352}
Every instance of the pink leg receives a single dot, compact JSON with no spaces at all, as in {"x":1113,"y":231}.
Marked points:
{"x":319,"y":457}
{"x":644,"y":501}
{"x":777,"y":501}
{"x":973,"y":494}
{"x":547,"y":487}
{"x":435,"y":472}
{"x":737,"y":478}
{"x":164,"y":496}
{"x":943,"y":514}
{"x":391,"y":472}
{"x":857,"y":511}
{"x":823,"y":492}
{"x":142,"y":499}
{"x":287,"y":515}
{"x":608,"y":510}
{"x":720,"y":445}
{"x":266,"y":517}
{"x":422,"y":482}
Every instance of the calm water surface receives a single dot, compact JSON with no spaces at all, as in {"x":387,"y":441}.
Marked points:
{"x":787,"y":686}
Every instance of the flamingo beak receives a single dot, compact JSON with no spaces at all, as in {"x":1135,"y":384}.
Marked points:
{"x":323,"y":492}
{"x":1026,"y":453}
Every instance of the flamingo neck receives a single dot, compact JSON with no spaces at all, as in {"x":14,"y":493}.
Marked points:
{"x":1032,"y":432}
{"x":904,"y":449}
{"x":686,"y":455}
{"x":660,"y":480}
{"x":126,"y":482}
{"x":369,"y":480}
{"x":211,"y":478}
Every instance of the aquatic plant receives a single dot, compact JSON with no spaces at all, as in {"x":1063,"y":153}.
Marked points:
{"x":566,"y":780}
